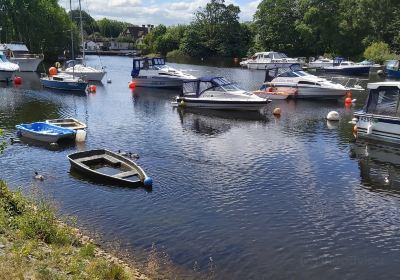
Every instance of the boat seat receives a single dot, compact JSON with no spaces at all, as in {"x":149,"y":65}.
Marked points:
{"x":126,"y":174}
{"x":97,"y":157}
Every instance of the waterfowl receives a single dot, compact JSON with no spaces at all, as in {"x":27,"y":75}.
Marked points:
{"x":133,"y":155}
{"x":13,"y":141}
{"x":38,"y":176}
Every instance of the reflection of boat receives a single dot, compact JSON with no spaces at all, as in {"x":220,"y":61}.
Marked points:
{"x":109,"y":167}
{"x":379,"y":165}
{"x":152,"y":72}
{"x":70,"y":123}
{"x":344,"y":67}
{"x":64,"y":81}
{"x":218,"y":93}
{"x":19,"y":54}
{"x":379,"y":119}
{"x":45,"y":132}
{"x":7,"y":69}
{"x":304,"y":84}
{"x":261,"y":60}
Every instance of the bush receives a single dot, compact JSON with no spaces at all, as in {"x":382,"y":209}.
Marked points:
{"x":378,"y":52}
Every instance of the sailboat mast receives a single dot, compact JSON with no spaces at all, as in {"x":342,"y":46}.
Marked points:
{"x":72,"y":31}
{"x":83,"y":42}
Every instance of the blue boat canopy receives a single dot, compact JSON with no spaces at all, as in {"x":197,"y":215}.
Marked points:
{"x":146,"y":64}
{"x":202,"y":84}
{"x":383,"y":99}
{"x":275,"y":71}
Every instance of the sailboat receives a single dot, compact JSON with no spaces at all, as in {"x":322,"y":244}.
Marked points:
{"x":79,"y":68}
{"x":64,"y":81}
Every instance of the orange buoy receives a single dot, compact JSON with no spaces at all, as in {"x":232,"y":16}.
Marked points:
{"x":52,"y":71}
{"x":132,"y":85}
{"x":17,"y":80}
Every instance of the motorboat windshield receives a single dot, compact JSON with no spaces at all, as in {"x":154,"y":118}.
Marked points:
{"x":293,"y":70}
{"x":383,"y":101}
{"x":204,"y":84}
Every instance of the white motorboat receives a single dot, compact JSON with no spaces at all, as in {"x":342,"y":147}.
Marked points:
{"x":346,"y":67}
{"x":152,"y":72}
{"x":79,"y":69}
{"x":261,"y":60}
{"x":379,"y":119}
{"x":218,"y":93}
{"x":7,"y":69}
{"x":19,"y":53}
{"x":305,"y":84}
{"x":73,"y":67}
{"x":321,"y":62}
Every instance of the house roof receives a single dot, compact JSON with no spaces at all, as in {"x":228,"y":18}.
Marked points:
{"x":136,"y":31}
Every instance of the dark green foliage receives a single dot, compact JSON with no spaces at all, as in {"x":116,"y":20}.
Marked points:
{"x":111,"y":28}
{"x":89,"y":24}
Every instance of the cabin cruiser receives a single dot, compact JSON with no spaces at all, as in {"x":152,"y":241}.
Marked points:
{"x":63,"y":81}
{"x":261,"y":60}
{"x":19,"y":53}
{"x":380,"y":117}
{"x":321,"y":62}
{"x":218,"y":93}
{"x":77,"y":68}
{"x":285,"y":79}
{"x":345,"y":67}
{"x":153,"y":72}
{"x":7,"y":69}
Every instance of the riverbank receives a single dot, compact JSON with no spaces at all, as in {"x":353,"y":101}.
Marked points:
{"x":34,"y":244}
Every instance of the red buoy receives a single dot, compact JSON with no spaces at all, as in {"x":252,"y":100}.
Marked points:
{"x":132,"y":85}
{"x":348,"y":100}
{"x":17,"y":80}
{"x":92,"y":88}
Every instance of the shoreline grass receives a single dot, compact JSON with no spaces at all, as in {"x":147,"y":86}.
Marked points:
{"x":34,"y":244}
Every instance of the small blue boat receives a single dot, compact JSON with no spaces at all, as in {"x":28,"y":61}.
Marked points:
{"x":45,"y":132}
{"x":392,"y":69}
{"x":64,"y":82}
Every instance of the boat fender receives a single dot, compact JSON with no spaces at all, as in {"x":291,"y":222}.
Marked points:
{"x":148,"y":181}
{"x":57,"y":64}
{"x":370,"y":128}
{"x":333,"y":116}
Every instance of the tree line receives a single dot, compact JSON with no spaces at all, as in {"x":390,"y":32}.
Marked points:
{"x":349,"y":28}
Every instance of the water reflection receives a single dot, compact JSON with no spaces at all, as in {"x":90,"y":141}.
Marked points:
{"x":379,"y":165}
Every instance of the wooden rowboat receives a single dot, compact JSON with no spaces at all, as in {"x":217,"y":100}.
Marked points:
{"x":109,"y":167}
{"x":70,"y":123}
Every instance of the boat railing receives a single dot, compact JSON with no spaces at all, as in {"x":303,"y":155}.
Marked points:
{"x":28,"y":55}
{"x":350,"y":83}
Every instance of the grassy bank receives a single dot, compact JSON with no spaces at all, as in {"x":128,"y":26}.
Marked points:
{"x":34,"y":244}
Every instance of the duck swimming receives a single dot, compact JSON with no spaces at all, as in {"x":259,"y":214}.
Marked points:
{"x":38,"y":176}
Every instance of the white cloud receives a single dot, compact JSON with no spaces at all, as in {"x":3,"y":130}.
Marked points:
{"x":153,"y":11}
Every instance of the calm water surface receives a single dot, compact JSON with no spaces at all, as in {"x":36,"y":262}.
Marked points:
{"x":264,"y":197}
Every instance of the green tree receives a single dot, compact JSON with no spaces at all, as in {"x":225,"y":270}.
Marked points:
{"x":3,"y":144}
{"x":89,"y":24}
{"x":111,"y":28}
{"x":378,"y":52}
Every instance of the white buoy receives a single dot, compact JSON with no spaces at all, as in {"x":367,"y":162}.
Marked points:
{"x":109,"y":81}
{"x":333,"y":116}
{"x":353,"y":121}
{"x":80,"y":135}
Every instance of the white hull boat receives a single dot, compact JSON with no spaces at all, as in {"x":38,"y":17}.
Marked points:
{"x":379,"y":119}
{"x":320,"y":63}
{"x":153,"y":73}
{"x":18,"y":53}
{"x":261,"y":60}
{"x":218,"y":93}
{"x":85,"y":72}
{"x":7,"y":69}
{"x":307,"y":86}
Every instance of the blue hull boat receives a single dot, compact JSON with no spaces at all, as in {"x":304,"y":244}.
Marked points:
{"x":45,"y":132}
{"x":392,"y":69}
{"x":348,"y":71}
{"x":64,"y":82}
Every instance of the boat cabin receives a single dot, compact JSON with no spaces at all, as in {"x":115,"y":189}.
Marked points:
{"x":392,"y":68}
{"x":383,"y":99}
{"x":269,"y":56}
{"x":293,"y":70}
{"x":146,"y":63}
{"x":199,"y":86}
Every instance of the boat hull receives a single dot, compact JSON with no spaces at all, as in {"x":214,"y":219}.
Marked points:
{"x":6,"y":75}
{"x":247,"y":105}
{"x":27,"y":64}
{"x":263,"y":66}
{"x":392,"y":73}
{"x":78,"y":165}
{"x":158,"y":82}
{"x":362,"y":70}
{"x":319,"y":93}
{"x":377,"y":127}
{"x":48,"y":133}
{"x":61,"y":85}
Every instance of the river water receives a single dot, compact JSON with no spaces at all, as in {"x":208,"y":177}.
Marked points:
{"x":263,"y":197}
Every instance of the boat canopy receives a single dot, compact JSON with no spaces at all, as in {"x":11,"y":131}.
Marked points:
{"x":383,"y":99}
{"x":392,"y":65}
{"x":146,"y":64}
{"x":274,"y":71}
{"x":203,"y":84}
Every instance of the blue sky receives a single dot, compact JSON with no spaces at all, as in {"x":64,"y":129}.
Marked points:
{"x":154,"y":11}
